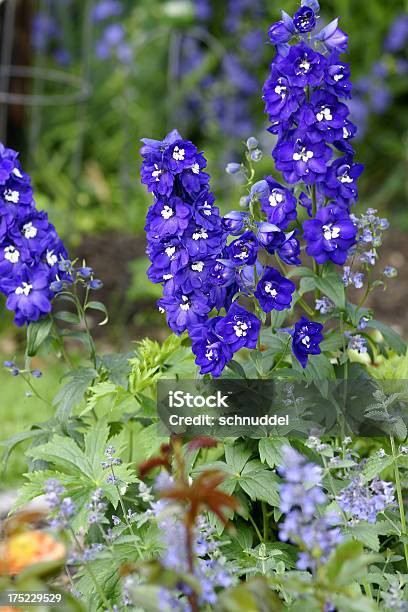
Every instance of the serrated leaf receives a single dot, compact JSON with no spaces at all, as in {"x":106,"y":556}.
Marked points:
{"x":117,"y":366}
{"x":367,"y":534}
{"x":65,"y":455}
{"x":72,"y":393}
{"x":398,"y":428}
{"x":270,"y":450}
{"x":375,"y":465}
{"x":236,"y":455}
{"x":260,"y":483}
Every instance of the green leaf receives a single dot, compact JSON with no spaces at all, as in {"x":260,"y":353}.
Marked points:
{"x":251,"y":596}
{"x":13,"y":441}
{"x":278,"y":317}
{"x":270,"y":450}
{"x":375,"y":465}
{"x":65,"y":455}
{"x":95,"y":444}
{"x":260,"y":483}
{"x":332,"y":342}
{"x":117,"y":366}
{"x":348,"y":563}
{"x":332,"y":286}
{"x":236,"y":455}
{"x":72,"y":393}
{"x":318,"y":368}
{"x":307,"y":284}
{"x":367,"y":534}
{"x":391,"y":337}
{"x":302,"y":271}
{"x":68,"y":317}
{"x":236,"y":368}
{"x":37,"y":333}
{"x":101,"y":308}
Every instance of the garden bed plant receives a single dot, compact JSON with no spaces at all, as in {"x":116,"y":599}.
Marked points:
{"x":142,"y":520}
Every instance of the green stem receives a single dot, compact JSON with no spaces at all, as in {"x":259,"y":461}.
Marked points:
{"x":316,"y":267}
{"x":400,"y":498}
{"x":125,"y":516}
{"x":367,"y":588}
{"x":82,"y":316}
{"x":34,"y":390}
{"x":255,"y":526}
{"x":61,"y":344}
{"x":300,"y":301}
{"x":265,"y":521}
{"x":282,"y":357}
{"x":92,"y":576}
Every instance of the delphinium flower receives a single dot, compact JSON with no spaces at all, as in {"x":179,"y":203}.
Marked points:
{"x":306,"y":98}
{"x":31,"y":252}
{"x":306,"y":339}
{"x":302,"y":494}
{"x":303,"y":99}
{"x":230,"y":88}
{"x":112,"y":42}
{"x":373,"y":94}
{"x":47,"y":36}
{"x":187,"y":247}
{"x":364,"y":501}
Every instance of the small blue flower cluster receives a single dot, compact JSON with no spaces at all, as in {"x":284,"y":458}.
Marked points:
{"x":363,"y":502}
{"x":301,"y":495}
{"x":364,"y":253}
{"x":96,"y":508}
{"x":63,"y":508}
{"x":211,"y":569}
{"x":31,"y":252}
{"x":112,"y":42}
{"x":302,"y":99}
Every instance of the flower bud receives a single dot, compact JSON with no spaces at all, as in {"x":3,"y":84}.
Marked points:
{"x":234,"y":221}
{"x":245,"y":201}
{"x":256,"y":155}
{"x":233,"y":168}
{"x":390,"y":272}
{"x":252,"y":143}
{"x":260,"y":190}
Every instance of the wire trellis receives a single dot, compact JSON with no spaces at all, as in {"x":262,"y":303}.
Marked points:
{"x":36,"y":85}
